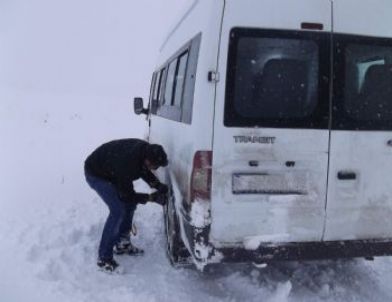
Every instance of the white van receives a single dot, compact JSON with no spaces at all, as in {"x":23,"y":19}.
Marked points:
{"x":277,"y":119}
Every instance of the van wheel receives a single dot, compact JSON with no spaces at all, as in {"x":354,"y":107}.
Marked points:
{"x":177,"y":253}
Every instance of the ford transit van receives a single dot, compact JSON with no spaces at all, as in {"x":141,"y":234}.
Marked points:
{"x":277,"y":119}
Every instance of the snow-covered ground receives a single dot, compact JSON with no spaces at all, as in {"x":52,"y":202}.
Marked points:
{"x":67,"y":72}
{"x":50,"y":256}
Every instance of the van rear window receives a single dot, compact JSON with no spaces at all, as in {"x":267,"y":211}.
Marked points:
{"x":363,"y":83}
{"x":369,"y":93}
{"x":276,"y":78}
{"x":273,"y":80}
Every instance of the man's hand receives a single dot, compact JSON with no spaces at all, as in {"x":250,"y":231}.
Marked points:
{"x":162,"y":188}
{"x":158,"y":197}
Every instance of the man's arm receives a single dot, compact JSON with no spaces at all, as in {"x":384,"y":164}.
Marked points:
{"x":154,"y":182}
{"x":127,"y":193}
{"x":150,"y":178}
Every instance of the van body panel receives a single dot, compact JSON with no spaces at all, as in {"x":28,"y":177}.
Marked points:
{"x":282,"y":198}
{"x":359,"y":204}
{"x":359,"y":207}
{"x":279,"y":14}
{"x":168,"y":132}
{"x":284,"y":215}
{"x":365,"y":17}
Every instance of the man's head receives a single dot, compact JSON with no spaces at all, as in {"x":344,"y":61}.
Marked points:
{"x":155,"y":157}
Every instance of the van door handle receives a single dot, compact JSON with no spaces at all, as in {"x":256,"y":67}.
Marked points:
{"x":345,"y":175}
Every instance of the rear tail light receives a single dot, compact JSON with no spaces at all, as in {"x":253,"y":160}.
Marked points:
{"x":201,"y":176}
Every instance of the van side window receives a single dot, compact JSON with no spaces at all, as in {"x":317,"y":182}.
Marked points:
{"x":152,"y":88}
{"x":180,"y":79}
{"x":154,"y":96}
{"x":175,"y":88}
{"x":170,"y":82}
{"x":156,"y":85}
{"x":161,"y":85}
{"x":190,"y":80}
{"x":363,"y":85}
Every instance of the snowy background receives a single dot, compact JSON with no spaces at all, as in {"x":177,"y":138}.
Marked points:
{"x":68,"y":72}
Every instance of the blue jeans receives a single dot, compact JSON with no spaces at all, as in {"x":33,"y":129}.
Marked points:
{"x":119,"y":221}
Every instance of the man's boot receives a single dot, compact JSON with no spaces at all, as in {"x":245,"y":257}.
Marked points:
{"x":109,"y":265}
{"x":126,"y":247}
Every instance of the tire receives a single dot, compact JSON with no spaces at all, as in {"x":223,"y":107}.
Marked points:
{"x":176,"y":251}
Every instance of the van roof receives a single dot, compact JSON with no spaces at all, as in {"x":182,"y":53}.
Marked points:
{"x":182,"y":16}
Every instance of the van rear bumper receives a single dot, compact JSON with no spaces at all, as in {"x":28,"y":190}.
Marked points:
{"x":315,"y":250}
{"x":309,"y":251}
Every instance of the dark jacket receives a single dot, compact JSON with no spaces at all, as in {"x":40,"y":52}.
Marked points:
{"x":121,"y":162}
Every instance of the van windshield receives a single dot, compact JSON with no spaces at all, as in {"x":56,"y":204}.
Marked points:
{"x":273,"y":80}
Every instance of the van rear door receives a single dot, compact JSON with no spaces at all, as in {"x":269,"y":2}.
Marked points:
{"x":359,"y":204}
{"x":271,"y":126}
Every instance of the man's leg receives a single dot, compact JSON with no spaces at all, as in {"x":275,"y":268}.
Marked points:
{"x":124,"y":245}
{"x":126,"y":225}
{"x":117,"y":213}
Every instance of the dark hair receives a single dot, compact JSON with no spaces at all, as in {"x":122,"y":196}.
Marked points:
{"x":156,"y":155}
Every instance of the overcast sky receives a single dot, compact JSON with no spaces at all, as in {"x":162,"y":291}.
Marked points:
{"x":82,"y":46}
{"x":68,"y":71}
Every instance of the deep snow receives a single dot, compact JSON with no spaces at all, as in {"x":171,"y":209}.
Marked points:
{"x":51,"y":256}
{"x":67,"y":69}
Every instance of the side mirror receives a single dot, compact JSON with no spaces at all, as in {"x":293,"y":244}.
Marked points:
{"x":138,"y":106}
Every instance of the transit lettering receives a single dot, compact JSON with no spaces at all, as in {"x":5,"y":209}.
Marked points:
{"x":244,"y":139}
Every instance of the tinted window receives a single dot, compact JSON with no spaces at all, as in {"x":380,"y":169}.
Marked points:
{"x":152,"y":90}
{"x":180,"y":79}
{"x":175,"y":87}
{"x":156,"y":92}
{"x":169,"y":86}
{"x":156,"y":86}
{"x":368,"y":95}
{"x":363,"y":85}
{"x":190,"y":78}
{"x":153,"y":81}
{"x":161,"y":86}
{"x":274,"y":81}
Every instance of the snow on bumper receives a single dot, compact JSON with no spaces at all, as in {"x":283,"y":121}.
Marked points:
{"x":206,"y":252}
{"x":263,"y":249}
